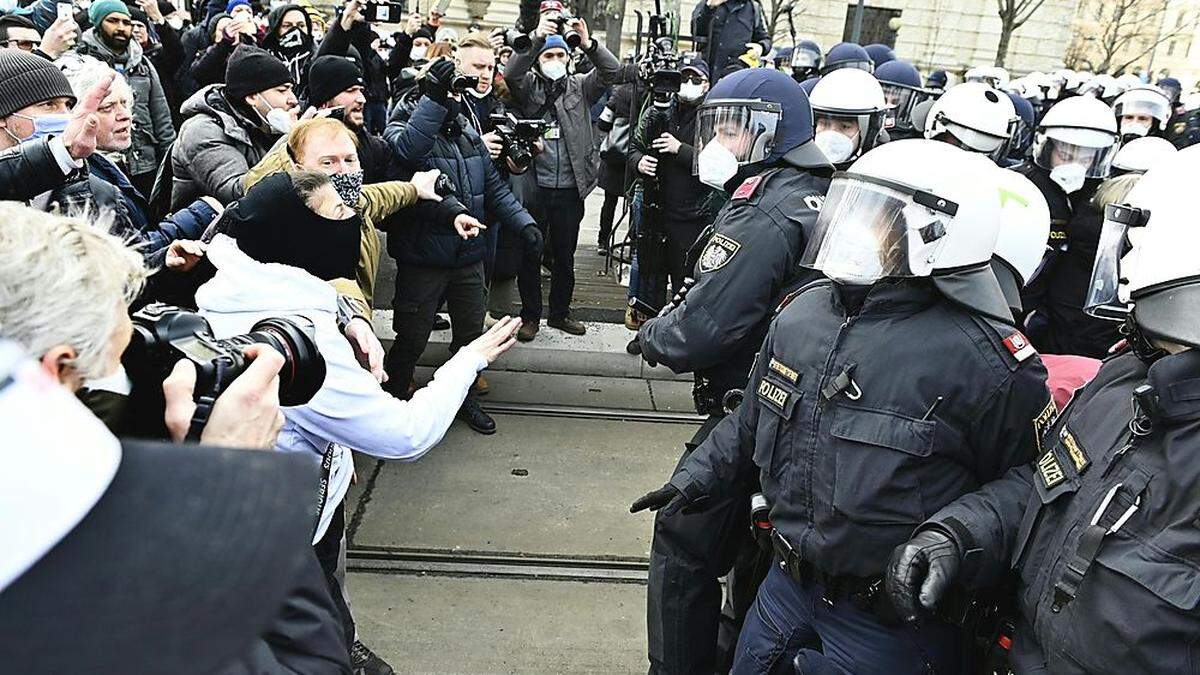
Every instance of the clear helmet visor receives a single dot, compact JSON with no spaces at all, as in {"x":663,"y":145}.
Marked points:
{"x":870,"y":229}
{"x":901,"y":101}
{"x":1050,"y":152}
{"x":1105,"y":298}
{"x":805,"y":58}
{"x":1158,"y":108}
{"x":746,"y":129}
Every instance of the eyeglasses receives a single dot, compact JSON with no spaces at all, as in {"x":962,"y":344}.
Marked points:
{"x":23,"y":45}
{"x":695,"y":79}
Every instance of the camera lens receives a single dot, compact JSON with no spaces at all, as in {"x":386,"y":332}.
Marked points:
{"x":519,"y":154}
{"x":303,"y":370}
{"x":572,"y":38}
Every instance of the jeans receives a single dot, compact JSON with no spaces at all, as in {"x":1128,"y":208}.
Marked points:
{"x":419,"y":292}
{"x":789,"y":620}
{"x":608,"y":214}
{"x":558,"y":212}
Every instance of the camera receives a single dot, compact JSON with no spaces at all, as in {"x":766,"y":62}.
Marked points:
{"x":517,"y":39}
{"x":569,"y":34}
{"x":163,"y":334}
{"x":461,"y":83}
{"x":384,"y":12}
{"x":518,"y":136}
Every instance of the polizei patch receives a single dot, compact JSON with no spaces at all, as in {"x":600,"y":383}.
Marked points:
{"x":1050,"y":470}
{"x":719,"y":251}
{"x":1043,"y":422}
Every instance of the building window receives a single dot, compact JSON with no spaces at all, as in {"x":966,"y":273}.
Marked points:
{"x":1171,"y":48}
{"x":875,"y":28}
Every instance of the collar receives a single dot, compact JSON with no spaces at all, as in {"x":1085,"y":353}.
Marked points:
{"x":889,"y":296}
{"x":1176,"y":381}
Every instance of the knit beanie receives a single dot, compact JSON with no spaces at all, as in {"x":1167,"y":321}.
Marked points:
{"x":103,"y":8}
{"x":251,"y":70}
{"x":212,"y":25}
{"x":555,"y":42}
{"x":331,"y":75}
{"x":234,"y":3}
{"x":26,"y":79}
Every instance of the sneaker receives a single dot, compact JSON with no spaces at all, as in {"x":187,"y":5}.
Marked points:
{"x":528,"y":331}
{"x":476,"y":418}
{"x":633,"y":319}
{"x":568,"y":325}
{"x":441,"y":323}
{"x":634,"y":347}
{"x":482,"y":387}
{"x":367,"y":662}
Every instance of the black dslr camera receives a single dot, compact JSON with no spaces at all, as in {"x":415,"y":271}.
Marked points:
{"x":569,"y":34}
{"x":162,"y":335}
{"x":461,"y":83}
{"x":518,"y":136}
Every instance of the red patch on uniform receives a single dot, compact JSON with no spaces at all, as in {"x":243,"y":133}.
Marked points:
{"x":747,"y":188}
{"x":1019,"y":346}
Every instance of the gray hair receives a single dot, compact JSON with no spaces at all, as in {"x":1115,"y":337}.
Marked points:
{"x":62,"y":282}
{"x":83,"y":72}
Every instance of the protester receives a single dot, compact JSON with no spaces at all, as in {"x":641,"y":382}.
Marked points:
{"x":289,"y":38}
{"x":227,"y":33}
{"x":350,"y":36}
{"x":19,"y":32}
{"x":160,"y":43}
{"x":725,"y":29}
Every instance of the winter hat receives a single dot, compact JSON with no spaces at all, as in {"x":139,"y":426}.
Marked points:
{"x":423,"y":32}
{"x":251,"y":70}
{"x":331,"y":75}
{"x":555,"y":42}
{"x":137,"y":15}
{"x":103,"y":8}
{"x":234,"y":3}
{"x":26,"y":79}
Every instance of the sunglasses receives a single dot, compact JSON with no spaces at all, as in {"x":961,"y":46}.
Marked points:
{"x":695,"y":79}
{"x":23,"y":45}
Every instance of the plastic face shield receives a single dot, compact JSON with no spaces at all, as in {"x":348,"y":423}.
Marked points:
{"x":745,"y":127}
{"x":1051,"y":152}
{"x":901,"y":100}
{"x":805,"y":58}
{"x":870,"y":229}
{"x":1104,"y":290}
{"x":1148,"y":103}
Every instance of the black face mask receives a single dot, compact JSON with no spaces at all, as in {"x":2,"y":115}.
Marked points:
{"x":294,"y":40}
{"x":273,"y":225}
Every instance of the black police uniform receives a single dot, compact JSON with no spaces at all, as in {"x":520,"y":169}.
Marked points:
{"x":859,"y":424}
{"x":1059,"y":290}
{"x":747,"y":263}
{"x":1118,"y":595}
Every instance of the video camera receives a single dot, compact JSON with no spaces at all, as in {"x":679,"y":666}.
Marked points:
{"x":461,"y":83}
{"x":518,"y":136}
{"x":162,"y":335}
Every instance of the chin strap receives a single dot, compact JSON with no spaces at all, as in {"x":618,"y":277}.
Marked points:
{"x":1139,"y":343}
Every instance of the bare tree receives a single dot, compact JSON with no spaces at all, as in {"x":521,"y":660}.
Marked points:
{"x":776,"y":17}
{"x":1116,"y":34}
{"x":1013,"y":14}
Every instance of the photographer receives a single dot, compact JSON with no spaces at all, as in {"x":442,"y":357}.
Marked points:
{"x":433,"y":263}
{"x":567,"y":170}
{"x":668,"y":160}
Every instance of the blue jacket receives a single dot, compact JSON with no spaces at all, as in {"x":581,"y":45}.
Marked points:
{"x":421,"y":143}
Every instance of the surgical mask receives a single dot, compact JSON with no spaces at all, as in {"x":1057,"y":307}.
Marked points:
{"x":1134,"y":130}
{"x":1069,"y":177}
{"x":348,"y":186}
{"x":836,"y":147}
{"x":277,"y":118}
{"x":53,"y":124}
{"x":480,"y":94}
{"x":554,"y":70}
{"x":716,"y":165}
{"x":417,"y":53}
{"x":175,"y":22}
{"x":691,"y":92}
{"x":857,"y":256}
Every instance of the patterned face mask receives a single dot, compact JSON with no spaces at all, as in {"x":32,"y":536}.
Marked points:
{"x":348,"y":186}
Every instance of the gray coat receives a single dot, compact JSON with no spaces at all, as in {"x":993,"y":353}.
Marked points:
{"x":573,"y":106}
{"x":217,"y":145}
{"x":153,"y":131}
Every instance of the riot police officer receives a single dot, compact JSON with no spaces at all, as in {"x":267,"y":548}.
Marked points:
{"x":847,"y":55}
{"x":806,"y":60}
{"x":754,"y":139}
{"x":850,"y":111}
{"x":1101,"y":528}
{"x":973,"y":116}
{"x":902,"y":91}
{"x":880,"y":395}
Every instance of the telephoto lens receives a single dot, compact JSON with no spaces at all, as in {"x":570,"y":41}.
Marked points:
{"x":569,"y":35}
{"x":303,"y":370}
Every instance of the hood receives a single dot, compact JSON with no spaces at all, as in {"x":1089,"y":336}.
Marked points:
{"x":131,"y":58}
{"x":243,"y":284}
{"x":211,"y":101}
{"x":270,"y":41}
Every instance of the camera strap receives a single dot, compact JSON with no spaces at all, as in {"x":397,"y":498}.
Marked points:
{"x":323,"y":485}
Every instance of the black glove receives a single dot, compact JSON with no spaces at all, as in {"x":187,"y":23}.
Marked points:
{"x":532,"y":237}
{"x":438,"y":79}
{"x":923,"y":568}
{"x":667,"y":495}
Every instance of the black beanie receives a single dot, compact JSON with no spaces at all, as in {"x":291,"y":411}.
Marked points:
{"x":330,"y":76}
{"x":26,"y":79}
{"x":251,"y":70}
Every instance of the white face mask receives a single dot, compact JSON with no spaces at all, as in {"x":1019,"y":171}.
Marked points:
{"x":277,"y":118}
{"x":835,"y":145}
{"x":480,"y":94}
{"x":175,"y":22}
{"x":716,"y":165}
{"x":691,"y":92}
{"x":1134,"y":129}
{"x":417,"y":53}
{"x":554,"y":70}
{"x":854,"y":258}
{"x":1069,"y":177}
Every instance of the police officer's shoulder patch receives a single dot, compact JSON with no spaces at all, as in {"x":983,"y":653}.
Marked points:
{"x":773,"y":396}
{"x":1019,"y":346}
{"x":1044,"y":421}
{"x":1049,"y":469}
{"x":718,"y":252}
{"x":747,"y":188}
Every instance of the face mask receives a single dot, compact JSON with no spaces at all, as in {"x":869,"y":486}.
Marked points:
{"x":716,"y":165}
{"x":837,"y":147}
{"x":417,"y":53}
{"x":348,"y":186}
{"x":1069,"y":177}
{"x":292,"y":39}
{"x":1134,"y":130}
{"x":480,"y":94}
{"x":691,"y":92}
{"x":858,"y":263}
{"x":44,"y":125}
{"x":277,"y":118}
{"x":554,"y":70}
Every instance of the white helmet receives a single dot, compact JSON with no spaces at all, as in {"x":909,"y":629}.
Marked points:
{"x":990,"y":75}
{"x":1102,"y":86}
{"x":977,"y":115}
{"x":1138,"y":155}
{"x":1145,"y":99}
{"x":1076,"y":140}
{"x":1024,"y":231}
{"x":1147,"y":253}
{"x":914,"y":208}
{"x":848,"y":93}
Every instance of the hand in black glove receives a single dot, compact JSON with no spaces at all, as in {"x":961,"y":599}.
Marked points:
{"x":438,"y":79}
{"x":666,"y":495}
{"x":923,"y":568}
{"x":532,"y":237}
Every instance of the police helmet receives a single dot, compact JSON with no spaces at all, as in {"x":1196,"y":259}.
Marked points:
{"x":847,"y":55}
{"x":977,"y":116}
{"x":902,"y":90}
{"x":848,"y":95}
{"x":880,"y":53}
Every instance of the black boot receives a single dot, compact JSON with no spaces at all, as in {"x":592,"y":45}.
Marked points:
{"x":366,"y":662}
{"x":475,"y":417}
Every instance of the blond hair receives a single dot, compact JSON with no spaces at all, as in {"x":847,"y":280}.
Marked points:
{"x":62,"y":282}
{"x":303,"y":130}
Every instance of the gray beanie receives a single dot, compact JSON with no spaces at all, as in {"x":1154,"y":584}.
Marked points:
{"x":26,"y":79}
